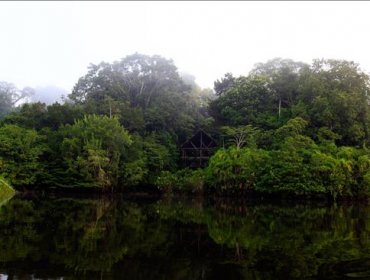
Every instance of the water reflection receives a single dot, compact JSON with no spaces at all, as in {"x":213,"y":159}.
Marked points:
{"x":114,"y":238}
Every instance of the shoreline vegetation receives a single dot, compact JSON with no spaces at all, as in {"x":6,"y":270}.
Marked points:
{"x":287,"y":129}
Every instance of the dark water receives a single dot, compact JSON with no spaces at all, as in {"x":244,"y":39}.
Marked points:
{"x":106,"y":238}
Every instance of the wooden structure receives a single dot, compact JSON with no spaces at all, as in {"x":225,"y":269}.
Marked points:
{"x":196,"y":152}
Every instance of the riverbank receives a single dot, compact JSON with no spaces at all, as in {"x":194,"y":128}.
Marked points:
{"x":208,"y":194}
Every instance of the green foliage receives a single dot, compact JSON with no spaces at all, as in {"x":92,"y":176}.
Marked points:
{"x":29,"y":116}
{"x":292,"y":128}
{"x":166,"y":181}
{"x":235,"y":168}
{"x":296,"y":166}
{"x":300,"y":114}
{"x":184,"y":180}
{"x":145,"y":91}
{"x":288,"y":171}
{"x":328,"y":93}
{"x":94,"y":148}
{"x":20,"y":150}
{"x":242,"y":135}
{"x":287,"y":127}
{"x":223,"y":85}
{"x":246,"y":102}
{"x":38,"y":115}
{"x":195,"y":181}
{"x":134,"y":172}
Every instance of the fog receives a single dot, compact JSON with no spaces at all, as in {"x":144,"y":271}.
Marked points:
{"x":48,"y":94}
{"x":52,"y":43}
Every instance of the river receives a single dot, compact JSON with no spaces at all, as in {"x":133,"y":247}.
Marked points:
{"x":68,"y":237}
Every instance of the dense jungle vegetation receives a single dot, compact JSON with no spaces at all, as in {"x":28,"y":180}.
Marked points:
{"x":285,"y":128}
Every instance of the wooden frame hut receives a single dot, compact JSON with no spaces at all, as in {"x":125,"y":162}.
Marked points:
{"x":196,"y":152}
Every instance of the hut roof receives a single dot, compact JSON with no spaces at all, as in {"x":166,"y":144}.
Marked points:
{"x":199,"y":140}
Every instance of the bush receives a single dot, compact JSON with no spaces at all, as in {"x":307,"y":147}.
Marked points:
{"x":20,"y":149}
{"x":166,"y":181}
{"x":195,"y":181}
{"x":184,"y":180}
{"x":234,"y":168}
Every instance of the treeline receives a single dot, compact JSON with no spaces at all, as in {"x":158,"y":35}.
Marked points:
{"x":119,"y":127}
{"x":287,"y":127}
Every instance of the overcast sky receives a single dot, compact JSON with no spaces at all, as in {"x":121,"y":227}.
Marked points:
{"x":52,"y":43}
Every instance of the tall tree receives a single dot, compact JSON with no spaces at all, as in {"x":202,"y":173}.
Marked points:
{"x":222,"y":86}
{"x":337,"y":92}
{"x":145,"y":92}
{"x":248,"y":101}
{"x":283,"y":76}
{"x":10,"y":95}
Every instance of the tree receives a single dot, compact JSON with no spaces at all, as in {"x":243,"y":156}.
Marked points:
{"x":336,"y":92}
{"x":201,"y":97}
{"x":136,"y":78}
{"x":20,"y":150}
{"x":236,"y":169}
{"x":242,"y":135}
{"x":283,"y":76}
{"x":328,"y":93}
{"x":294,"y":127}
{"x":147,"y":87}
{"x":28,"y":115}
{"x":10,"y":96}
{"x":94,"y":149}
{"x":223,"y":85}
{"x":38,"y":115}
{"x":248,"y":101}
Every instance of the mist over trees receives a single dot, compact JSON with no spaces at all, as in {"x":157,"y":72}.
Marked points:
{"x":330,"y":94}
{"x":143,"y":94}
{"x":12,"y":98}
{"x":10,"y":95}
{"x":48,"y":94}
{"x":286,"y":127}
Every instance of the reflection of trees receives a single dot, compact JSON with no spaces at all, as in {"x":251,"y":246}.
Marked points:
{"x":87,"y":238}
{"x":19,"y":236}
{"x":283,"y":241}
{"x":84,"y":235}
{"x":94,"y":236}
